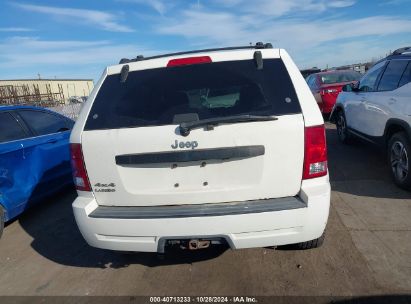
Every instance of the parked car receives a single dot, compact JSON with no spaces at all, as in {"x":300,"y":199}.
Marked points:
{"x":308,"y":72}
{"x":197,"y":148}
{"x":326,"y":86}
{"x":77,"y":99}
{"x":34,"y":157}
{"x":378,"y":109}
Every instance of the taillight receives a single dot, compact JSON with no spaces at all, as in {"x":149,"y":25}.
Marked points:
{"x":188,"y":61}
{"x":79,"y":170}
{"x":315,"y":154}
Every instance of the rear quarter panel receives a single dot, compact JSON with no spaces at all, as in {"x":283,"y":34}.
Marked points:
{"x":75,"y":136}
{"x":309,"y":107}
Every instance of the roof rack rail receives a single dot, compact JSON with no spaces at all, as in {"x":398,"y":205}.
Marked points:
{"x":258,"y":45}
{"x":402,"y":50}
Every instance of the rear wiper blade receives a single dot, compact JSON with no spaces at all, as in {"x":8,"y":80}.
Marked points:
{"x":186,"y":127}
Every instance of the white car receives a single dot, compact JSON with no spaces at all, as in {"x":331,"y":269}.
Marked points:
{"x":378,"y":109}
{"x":198,"y":148}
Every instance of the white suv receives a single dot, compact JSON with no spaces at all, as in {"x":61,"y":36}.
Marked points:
{"x":221,"y":145}
{"x":378,"y":109}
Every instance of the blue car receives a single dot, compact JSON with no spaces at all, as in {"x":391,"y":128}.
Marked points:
{"x":34,"y":157}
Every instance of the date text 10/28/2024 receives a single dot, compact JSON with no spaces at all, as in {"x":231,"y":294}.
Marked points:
{"x":198,"y":299}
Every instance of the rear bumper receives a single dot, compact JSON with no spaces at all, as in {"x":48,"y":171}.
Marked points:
{"x":304,"y":219}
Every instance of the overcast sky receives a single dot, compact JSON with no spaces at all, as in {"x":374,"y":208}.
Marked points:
{"x":77,"y":39}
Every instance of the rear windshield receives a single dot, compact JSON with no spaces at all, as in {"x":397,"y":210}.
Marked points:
{"x":157,"y":96}
{"x":339,"y":77}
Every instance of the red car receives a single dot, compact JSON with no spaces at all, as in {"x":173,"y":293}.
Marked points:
{"x":326,"y":86}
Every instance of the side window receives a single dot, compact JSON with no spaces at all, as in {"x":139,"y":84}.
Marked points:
{"x":314,"y":82}
{"x":392,"y":75}
{"x":309,"y":80}
{"x":10,"y":129}
{"x":45,"y":123}
{"x":406,"y":76}
{"x":368,"y":82}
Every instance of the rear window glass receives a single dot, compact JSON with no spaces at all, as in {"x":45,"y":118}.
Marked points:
{"x":339,"y":77}
{"x":155,"y":97}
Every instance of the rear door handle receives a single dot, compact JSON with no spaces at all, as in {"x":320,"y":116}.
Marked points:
{"x":51,"y":141}
{"x":392,"y":100}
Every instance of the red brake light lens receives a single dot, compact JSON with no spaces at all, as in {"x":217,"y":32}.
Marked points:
{"x":189,"y":60}
{"x":315,"y":158}
{"x":79,"y":170}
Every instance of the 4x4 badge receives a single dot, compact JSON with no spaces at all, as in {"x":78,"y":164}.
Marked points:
{"x":105,"y":185}
{"x":99,"y":187}
{"x":185,"y":144}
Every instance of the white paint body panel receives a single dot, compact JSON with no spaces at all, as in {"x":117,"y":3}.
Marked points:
{"x":369,"y":112}
{"x":252,"y":178}
{"x":277,"y":173}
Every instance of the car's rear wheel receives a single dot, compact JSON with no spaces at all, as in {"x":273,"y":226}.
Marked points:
{"x":310,"y":244}
{"x":342,"y":131}
{"x":399,"y":152}
{"x":1,"y":220}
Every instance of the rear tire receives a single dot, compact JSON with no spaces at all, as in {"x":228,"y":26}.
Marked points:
{"x":343,"y":135}
{"x":310,"y":244}
{"x":326,"y":116}
{"x":1,"y":220}
{"x":399,"y":153}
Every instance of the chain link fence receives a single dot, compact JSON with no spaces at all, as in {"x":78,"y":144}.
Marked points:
{"x":70,"y":110}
